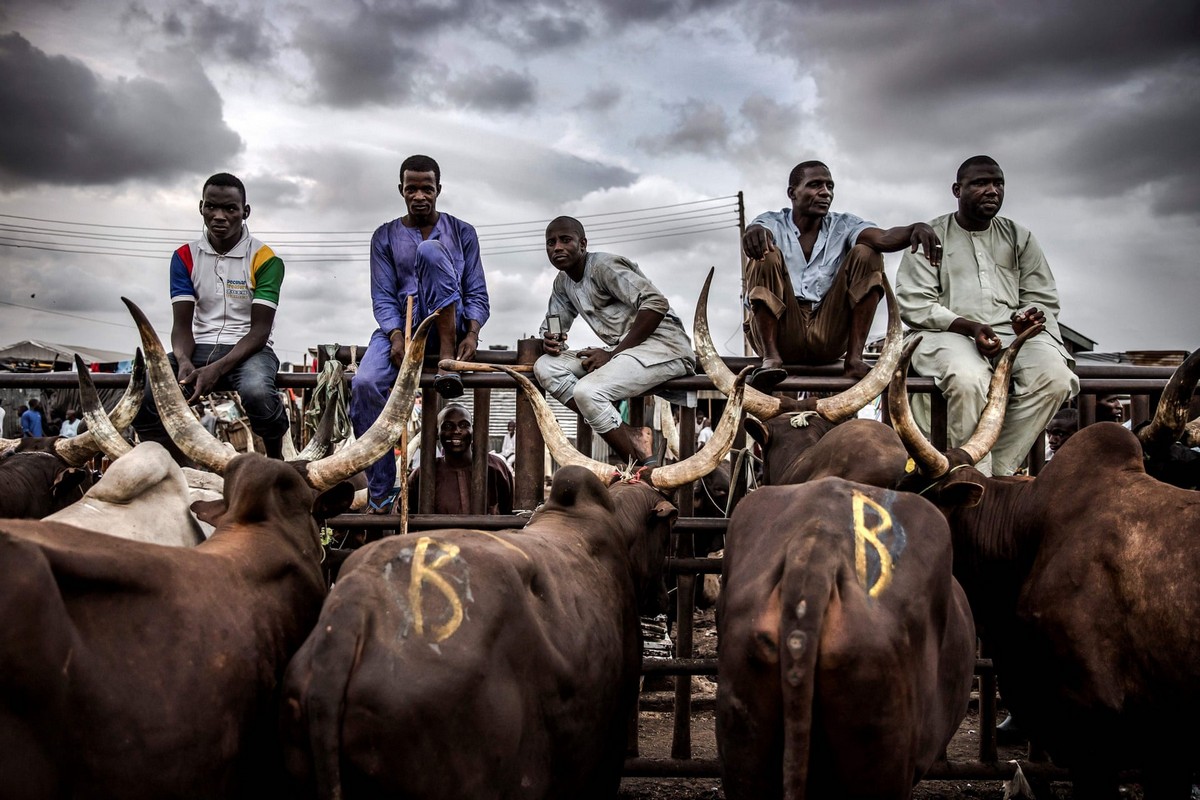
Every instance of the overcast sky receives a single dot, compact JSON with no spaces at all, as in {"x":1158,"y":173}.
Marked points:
{"x":644,"y":118}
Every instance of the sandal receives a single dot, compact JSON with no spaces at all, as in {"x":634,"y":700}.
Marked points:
{"x":764,"y":379}
{"x":449,"y":385}
{"x":384,"y":505}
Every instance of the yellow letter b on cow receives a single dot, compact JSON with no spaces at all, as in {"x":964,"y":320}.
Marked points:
{"x":864,"y":536}
{"x":423,"y":573}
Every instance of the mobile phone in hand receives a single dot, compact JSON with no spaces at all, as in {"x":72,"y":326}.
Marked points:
{"x":554,"y":326}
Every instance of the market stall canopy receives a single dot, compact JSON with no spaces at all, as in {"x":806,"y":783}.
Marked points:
{"x":33,"y":351}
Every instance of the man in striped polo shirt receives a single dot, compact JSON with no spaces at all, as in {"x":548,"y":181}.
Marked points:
{"x":224,"y":292}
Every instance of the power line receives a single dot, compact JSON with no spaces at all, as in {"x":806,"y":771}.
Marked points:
{"x":354,"y":233}
{"x":65,"y":314}
{"x":634,"y":226}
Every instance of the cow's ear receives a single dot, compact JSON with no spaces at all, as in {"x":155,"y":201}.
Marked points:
{"x":758,"y":432}
{"x":333,"y":501}
{"x":68,"y":480}
{"x":209,"y":511}
{"x":666,"y":510}
{"x":961,"y":494}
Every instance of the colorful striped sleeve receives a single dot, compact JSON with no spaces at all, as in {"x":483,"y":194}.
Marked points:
{"x":266,"y":276}
{"x":182,"y":287}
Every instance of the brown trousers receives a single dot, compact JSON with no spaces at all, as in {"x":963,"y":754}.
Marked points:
{"x":808,"y":335}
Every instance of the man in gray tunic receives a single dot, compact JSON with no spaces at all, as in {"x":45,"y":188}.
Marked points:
{"x":993,"y":282}
{"x":646,"y":342}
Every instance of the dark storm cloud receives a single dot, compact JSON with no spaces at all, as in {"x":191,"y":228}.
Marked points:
{"x":600,"y":99}
{"x":699,"y":127}
{"x":380,"y":54}
{"x":242,"y":36}
{"x":268,"y":192}
{"x":773,"y":128}
{"x":1120,"y":78}
{"x":67,"y":125}
{"x":554,"y":31}
{"x":173,"y":25}
{"x":356,"y":64}
{"x":493,"y":90}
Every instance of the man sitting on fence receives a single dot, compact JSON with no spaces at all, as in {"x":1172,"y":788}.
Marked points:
{"x":647,"y":344}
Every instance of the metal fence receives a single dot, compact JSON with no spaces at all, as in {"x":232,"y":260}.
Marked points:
{"x":1143,"y":384}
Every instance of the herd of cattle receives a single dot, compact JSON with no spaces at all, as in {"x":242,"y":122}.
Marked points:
{"x":162,"y":646}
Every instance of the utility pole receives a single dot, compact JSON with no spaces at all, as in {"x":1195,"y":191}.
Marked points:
{"x":746,"y":349}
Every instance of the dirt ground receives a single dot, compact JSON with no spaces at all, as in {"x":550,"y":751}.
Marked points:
{"x":655,"y":735}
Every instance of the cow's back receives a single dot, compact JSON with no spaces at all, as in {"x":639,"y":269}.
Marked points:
{"x":468,"y":664}
{"x":1104,"y":650}
{"x":169,"y":688}
{"x":847,"y":648}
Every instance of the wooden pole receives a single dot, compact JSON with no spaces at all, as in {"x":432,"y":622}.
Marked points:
{"x":404,"y":431}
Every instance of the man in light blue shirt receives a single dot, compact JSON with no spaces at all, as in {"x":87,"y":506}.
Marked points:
{"x":815,"y":277}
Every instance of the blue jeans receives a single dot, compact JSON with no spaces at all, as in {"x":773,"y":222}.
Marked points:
{"x":437,"y":287}
{"x":253,"y":380}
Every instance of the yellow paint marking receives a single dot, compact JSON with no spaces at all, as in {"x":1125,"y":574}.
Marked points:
{"x":504,"y":542}
{"x":864,"y":536}
{"x":422,"y":573}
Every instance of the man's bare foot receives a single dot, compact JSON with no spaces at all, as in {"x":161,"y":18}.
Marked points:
{"x":856,"y":368}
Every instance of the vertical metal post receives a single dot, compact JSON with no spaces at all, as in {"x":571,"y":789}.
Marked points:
{"x":938,"y":434}
{"x":685,"y":600}
{"x":747,"y":350}
{"x":430,"y":403}
{"x":530,"y":483}
{"x":480,"y":425}
{"x":1142,"y":406}
{"x":1087,"y":409}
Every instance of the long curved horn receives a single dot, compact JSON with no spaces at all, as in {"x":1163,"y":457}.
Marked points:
{"x":672,"y":476}
{"x":666,"y":422}
{"x":931,"y":462}
{"x":105,"y":434}
{"x":383,"y":434}
{"x":560,"y":447}
{"x":763,"y":406}
{"x":78,"y":449}
{"x":847,"y":404}
{"x":835,"y":409}
{"x":668,"y":477}
{"x":1170,"y":417}
{"x":181,"y":424}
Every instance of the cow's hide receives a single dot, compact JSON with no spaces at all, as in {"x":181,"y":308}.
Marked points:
{"x":847,"y":648}
{"x":143,"y":496}
{"x":133,"y":670}
{"x":458,"y":663}
{"x":1083,"y":583}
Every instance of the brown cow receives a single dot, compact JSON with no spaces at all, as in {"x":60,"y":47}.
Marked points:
{"x":1083,"y":582}
{"x":1169,"y":440}
{"x":847,"y":648}
{"x":459,"y":663}
{"x":789,"y":430}
{"x":41,"y":475}
{"x":140,"y":671}
{"x":134,"y":670}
